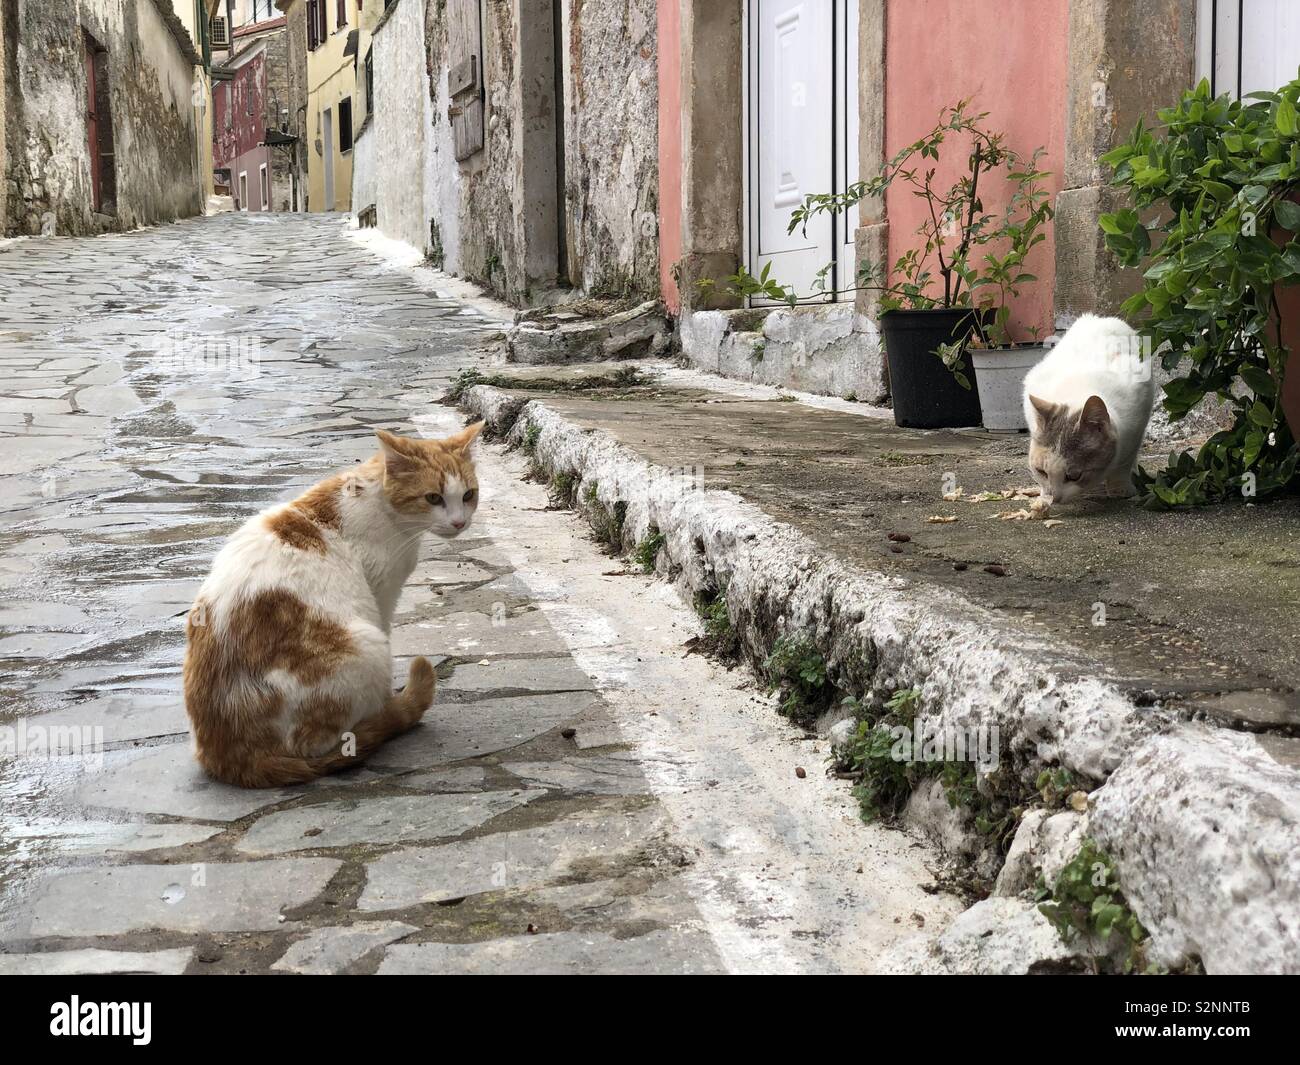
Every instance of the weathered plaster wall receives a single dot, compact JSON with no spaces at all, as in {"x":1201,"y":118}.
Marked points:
{"x":479,"y":191}
{"x":151,"y":73}
{"x":1012,"y":65}
{"x":401,"y":126}
{"x":611,"y":188}
{"x":494,"y":215}
{"x":363,"y":169}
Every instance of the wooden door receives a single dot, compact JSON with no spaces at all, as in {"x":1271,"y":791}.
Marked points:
{"x":465,"y":75}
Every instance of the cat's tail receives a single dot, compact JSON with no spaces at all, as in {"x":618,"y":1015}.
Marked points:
{"x":401,"y":711}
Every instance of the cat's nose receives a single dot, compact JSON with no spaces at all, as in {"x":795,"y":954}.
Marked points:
{"x":458,"y":524}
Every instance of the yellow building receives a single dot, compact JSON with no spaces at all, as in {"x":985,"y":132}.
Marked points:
{"x":335,"y":41}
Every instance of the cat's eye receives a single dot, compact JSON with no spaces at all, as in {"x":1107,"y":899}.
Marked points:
{"x":1072,"y":477}
{"x":469,"y":496}
{"x":434,"y":499}
{"x":1041,"y":473}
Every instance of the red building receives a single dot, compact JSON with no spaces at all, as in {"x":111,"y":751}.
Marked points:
{"x":249,"y":111}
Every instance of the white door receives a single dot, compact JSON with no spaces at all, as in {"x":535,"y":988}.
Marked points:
{"x":1246,"y":46}
{"x":327,"y":136}
{"x":801,"y":137}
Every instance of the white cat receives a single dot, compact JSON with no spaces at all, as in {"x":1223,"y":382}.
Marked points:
{"x":1087,"y":405}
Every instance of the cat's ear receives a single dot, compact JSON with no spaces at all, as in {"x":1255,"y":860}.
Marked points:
{"x":1094,"y":415}
{"x":1045,"y":409}
{"x":460,"y":442}
{"x":399,"y":453}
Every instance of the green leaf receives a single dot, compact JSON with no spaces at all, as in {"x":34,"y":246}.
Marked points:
{"x":1287,"y":214}
{"x":1286,"y":117}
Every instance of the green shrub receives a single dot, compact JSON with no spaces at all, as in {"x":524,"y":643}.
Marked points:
{"x":1214,"y":222}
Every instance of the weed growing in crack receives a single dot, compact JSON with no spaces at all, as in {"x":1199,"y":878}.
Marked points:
{"x":563,"y":489}
{"x":720,"y":640}
{"x":607,"y":523}
{"x":591,"y":493}
{"x":1087,"y":901}
{"x":531,"y":435}
{"x":1056,"y":786}
{"x":647,"y":551}
{"x":994,"y":817}
{"x":463,"y":382}
{"x":886,"y":779}
{"x":797,"y":669}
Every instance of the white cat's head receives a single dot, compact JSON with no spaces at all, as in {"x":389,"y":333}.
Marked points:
{"x":1070,"y":450}
{"x":431,"y":482}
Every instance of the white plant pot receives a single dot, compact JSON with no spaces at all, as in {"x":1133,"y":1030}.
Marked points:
{"x":1000,"y":378}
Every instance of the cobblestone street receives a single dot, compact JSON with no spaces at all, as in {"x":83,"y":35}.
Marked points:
{"x":584,"y":796}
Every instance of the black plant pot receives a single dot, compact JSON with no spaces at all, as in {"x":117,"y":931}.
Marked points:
{"x":926,"y":394}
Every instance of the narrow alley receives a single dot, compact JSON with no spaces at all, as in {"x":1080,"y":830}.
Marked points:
{"x":584,"y":795}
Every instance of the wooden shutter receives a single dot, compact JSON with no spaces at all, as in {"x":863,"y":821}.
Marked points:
{"x":465,"y":75}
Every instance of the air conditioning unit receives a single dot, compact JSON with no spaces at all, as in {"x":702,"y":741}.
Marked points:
{"x":220,"y":32}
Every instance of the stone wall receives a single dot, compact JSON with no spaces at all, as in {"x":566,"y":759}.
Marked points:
{"x":400,"y":128}
{"x":276,"y":102}
{"x":494,"y":217}
{"x":295,"y":95}
{"x":611,"y":143}
{"x":150,"y":64}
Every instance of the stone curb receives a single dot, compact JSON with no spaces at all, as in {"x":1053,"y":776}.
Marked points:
{"x":879,"y":634}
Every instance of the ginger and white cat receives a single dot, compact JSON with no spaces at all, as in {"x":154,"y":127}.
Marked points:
{"x":288,"y":673}
{"x":1087,"y":404}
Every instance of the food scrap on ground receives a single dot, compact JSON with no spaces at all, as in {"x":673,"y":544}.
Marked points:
{"x":941,"y":519}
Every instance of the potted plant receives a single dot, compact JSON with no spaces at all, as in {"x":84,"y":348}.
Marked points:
{"x":951,"y":290}
{"x":1216,"y":184}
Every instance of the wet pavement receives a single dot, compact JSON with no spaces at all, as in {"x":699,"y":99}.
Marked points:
{"x":581,"y":797}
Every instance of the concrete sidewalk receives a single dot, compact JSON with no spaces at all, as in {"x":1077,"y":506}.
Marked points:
{"x":1115,"y":639}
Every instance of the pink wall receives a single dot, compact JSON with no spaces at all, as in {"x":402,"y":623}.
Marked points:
{"x":670,"y":150}
{"x":238,"y":118}
{"x":1011,"y":59}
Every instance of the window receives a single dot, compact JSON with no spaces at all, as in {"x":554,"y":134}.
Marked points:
{"x":316,"y":28}
{"x":342,"y":14}
{"x":345,"y":124}
{"x":370,"y":81}
{"x":266,"y":188}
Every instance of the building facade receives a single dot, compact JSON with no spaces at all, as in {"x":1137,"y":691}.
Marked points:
{"x":102,"y":115}
{"x":335,"y":41}
{"x":516,"y":143}
{"x":253,"y":148}
{"x":765,"y":101}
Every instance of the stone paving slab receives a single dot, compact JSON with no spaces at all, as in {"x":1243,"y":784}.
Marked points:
{"x":452,"y":731}
{"x":167,"y":780}
{"x":506,"y":860}
{"x":94,"y":962}
{"x":215,"y":897}
{"x":331,"y":950}
{"x":560,"y":953}
{"x":375,"y":821}
{"x":534,"y":674}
